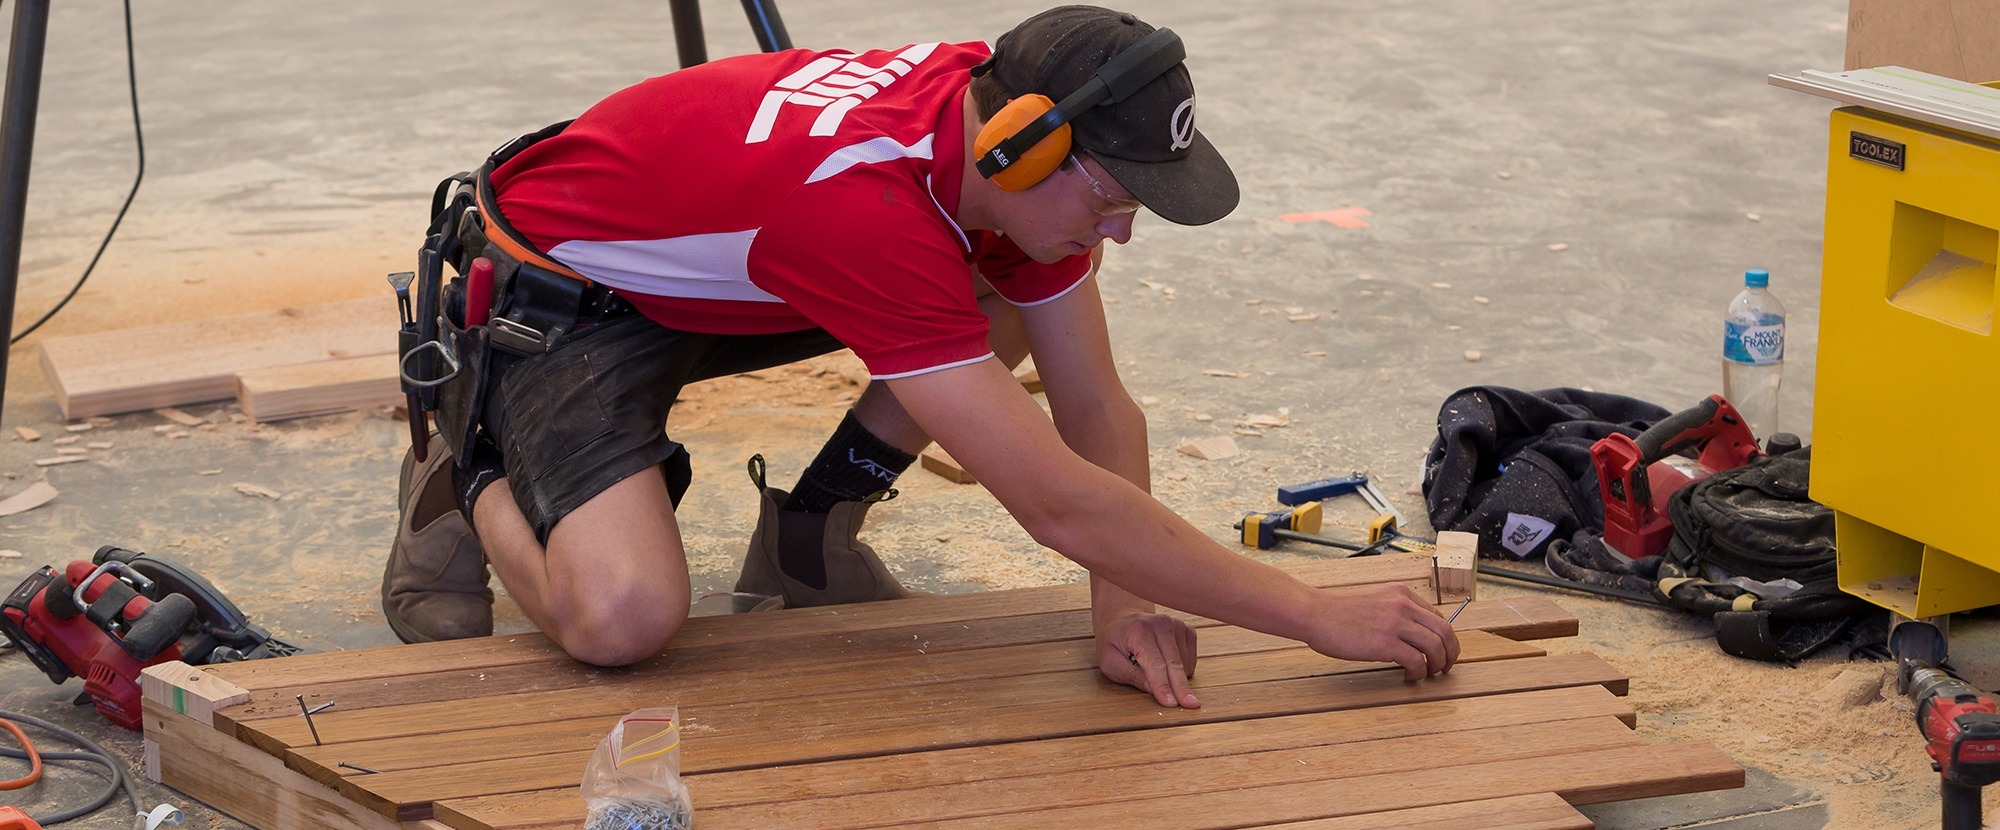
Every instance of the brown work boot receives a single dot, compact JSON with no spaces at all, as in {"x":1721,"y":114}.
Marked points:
{"x":434,"y":587}
{"x":853,"y":572}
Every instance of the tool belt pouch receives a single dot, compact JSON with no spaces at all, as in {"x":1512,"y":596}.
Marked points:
{"x":531,"y":310}
{"x":461,"y":399}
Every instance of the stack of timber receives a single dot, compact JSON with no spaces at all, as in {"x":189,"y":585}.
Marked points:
{"x":980,"y":710}
{"x":280,"y":364}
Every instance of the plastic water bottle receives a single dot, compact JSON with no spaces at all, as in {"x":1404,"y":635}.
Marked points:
{"x":1753,"y":352}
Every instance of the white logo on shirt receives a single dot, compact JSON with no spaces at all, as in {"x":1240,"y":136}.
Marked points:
{"x":1180,"y":128}
{"x":834,"y":84}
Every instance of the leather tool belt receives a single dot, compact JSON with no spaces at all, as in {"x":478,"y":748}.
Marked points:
{"x":449,"y":367}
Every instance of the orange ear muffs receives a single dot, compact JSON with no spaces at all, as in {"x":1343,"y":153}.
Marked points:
{"x":1040,"y":160}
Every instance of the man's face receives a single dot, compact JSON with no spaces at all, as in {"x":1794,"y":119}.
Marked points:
{"x":1072,"y":211}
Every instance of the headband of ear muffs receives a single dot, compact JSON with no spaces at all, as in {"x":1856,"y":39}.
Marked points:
{"x":1029,"y":137}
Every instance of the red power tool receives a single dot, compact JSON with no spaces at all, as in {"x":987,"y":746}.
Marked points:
{"x":1636,"y":476}
{"x":106,"y":619}
{"x":1960,"y":723}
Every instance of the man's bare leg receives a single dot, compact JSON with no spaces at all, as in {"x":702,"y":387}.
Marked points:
{"x":612,"y":586}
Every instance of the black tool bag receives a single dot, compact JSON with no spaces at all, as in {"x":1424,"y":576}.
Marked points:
{"x":1514,"y":466}
{"x":1756,"y":524}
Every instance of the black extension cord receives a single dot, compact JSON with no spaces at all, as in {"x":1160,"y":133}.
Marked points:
{"x":139,"y":139}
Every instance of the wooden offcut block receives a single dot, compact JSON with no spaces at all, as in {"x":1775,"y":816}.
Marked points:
{"x":322,"y":388}
{"x":938,"y":461}
{"x":1457,"y":565}
{"x":1031,"y":380}
{"x":189,"y":690}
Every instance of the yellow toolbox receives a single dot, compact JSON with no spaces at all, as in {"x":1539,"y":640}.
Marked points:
{"x":1906,"y":416}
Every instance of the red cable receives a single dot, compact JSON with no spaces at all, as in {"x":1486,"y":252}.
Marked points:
{"x":34,"y":759}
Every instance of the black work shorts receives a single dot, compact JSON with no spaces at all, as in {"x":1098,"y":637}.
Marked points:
{"x":574,"y":421}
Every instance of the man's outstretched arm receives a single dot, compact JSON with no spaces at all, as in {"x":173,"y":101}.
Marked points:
{"x":1116,"y":530}
{"x":1099,"y":422}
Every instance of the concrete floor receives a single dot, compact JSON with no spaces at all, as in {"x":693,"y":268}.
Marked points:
{"x":292,"y":148}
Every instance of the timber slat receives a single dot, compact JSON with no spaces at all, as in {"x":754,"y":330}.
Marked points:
{"x":1177,"y":779}
{"x":541,"y":716}
{"x":801,"y":730}
{"x":1541,"y":811}
{"x":1591,"y":777}
{"x":1062,"y":639}
{"x":1582,"y":778}
{"x":982,"y":796}
{"x":392,"y":661}
{"x":1019,"y":759}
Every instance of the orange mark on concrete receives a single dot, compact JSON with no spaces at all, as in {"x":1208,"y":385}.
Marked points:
{"x":1343,"y":217}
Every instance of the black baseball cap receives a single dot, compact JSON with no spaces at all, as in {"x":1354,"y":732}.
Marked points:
{"x":1147,"y":141}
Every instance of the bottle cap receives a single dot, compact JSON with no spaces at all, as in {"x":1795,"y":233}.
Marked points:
{"x":1757,"y":278}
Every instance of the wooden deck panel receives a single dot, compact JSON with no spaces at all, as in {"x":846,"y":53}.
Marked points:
{"x":934,"y":701}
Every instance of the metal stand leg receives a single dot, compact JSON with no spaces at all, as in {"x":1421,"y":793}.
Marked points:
{"x":689,"y":40}
{"x":17,"y":144}
{"x":769,"y":28}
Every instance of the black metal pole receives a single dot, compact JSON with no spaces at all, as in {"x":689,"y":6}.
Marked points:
{"x":17,"y":145}
{"x":768,"y":26}
{"x":689,"y":40}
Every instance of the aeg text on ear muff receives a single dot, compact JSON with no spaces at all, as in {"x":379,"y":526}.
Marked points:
{"x":1029,"y":137}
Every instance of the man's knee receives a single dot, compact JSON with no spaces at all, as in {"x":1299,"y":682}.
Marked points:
{"x":617,"y":627}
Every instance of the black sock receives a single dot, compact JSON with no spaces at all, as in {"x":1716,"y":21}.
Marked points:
{"x":852,"y":466}
{"x":468,"y":480}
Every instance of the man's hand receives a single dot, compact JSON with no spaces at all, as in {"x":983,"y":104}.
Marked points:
{"x":1385,"y":623}
{"x":1153,"y":653}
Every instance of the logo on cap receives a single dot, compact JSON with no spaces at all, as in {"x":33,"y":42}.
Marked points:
{"x":1181,"y":126}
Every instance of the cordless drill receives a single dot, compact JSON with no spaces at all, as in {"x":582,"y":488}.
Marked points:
{"x":1960,"y":723}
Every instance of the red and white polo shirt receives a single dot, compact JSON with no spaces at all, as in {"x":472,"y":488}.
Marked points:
{"x":778,"y":192}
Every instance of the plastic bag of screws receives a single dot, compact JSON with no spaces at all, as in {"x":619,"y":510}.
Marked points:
{"x":633,"y":780}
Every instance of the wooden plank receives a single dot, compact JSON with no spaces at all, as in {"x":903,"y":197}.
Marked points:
{"x":322,"y":388}
{"x":927,"y":769}
{"x":1265,"y":769}
{"x":391,"y":661}
{"x":198,"y":360}
{"x":484,"y":758}
{"x":1953,"y":38}
{"x":1520,"y":618}
{"x":250,"y":786}
{"x":1161,"y":745}
{"x":1049,"y":642}
{"x":1581,"y":778}
{"x":1517,"y":618}
{"x":946,"y":467}
{"x":706,"y":708}
{"x":943,"y":716}
{"x":1541,"y":811}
